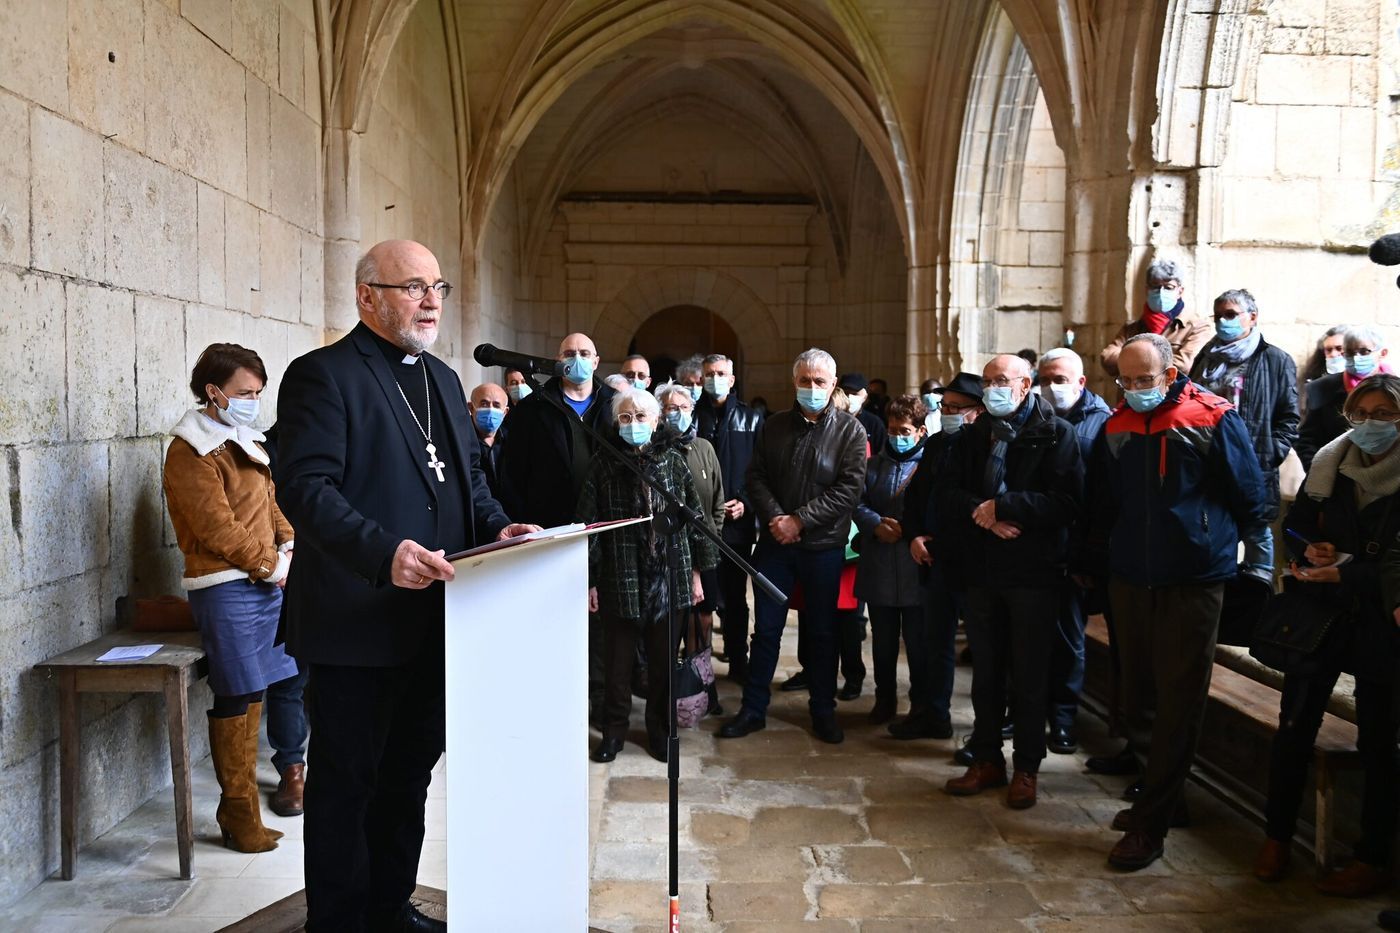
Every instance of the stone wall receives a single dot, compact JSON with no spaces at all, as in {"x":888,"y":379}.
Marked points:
{"x":159,"y":190}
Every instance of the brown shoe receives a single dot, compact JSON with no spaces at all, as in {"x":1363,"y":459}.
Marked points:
{"x":1271,"y":864}
{"x":1135,"y":851}
{"x":980,"y":776}
{"x":1021,"y":795}
{"x":1356,"y":880}
{"x":288,"y":799}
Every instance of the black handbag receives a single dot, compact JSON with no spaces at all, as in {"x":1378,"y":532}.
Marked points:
{"x":1292,"y":628}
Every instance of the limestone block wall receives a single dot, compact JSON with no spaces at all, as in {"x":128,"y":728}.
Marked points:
{"x":160,"y":189}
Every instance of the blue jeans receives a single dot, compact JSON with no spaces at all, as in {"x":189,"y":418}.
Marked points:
{"x":1259,"y":549}
{"x":1067,"y":659}
{"x":287,"y":726}
{"x":819,"y":572}
{"x":943,"y":605}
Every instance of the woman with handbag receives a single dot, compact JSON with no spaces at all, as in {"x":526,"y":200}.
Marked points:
{"x":887,"y":578}
{"x":631,"y":589}
{"x":237,"y":548}
{"x":678,"y":410}
{"x":1343,"y":519}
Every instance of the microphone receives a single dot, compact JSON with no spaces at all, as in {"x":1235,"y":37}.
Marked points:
{"x":488,"y":355}
{"x":1386,"y":250}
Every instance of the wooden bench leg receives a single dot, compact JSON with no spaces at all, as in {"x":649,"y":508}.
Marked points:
{"x":1322,"y":833}
{"x":68,"y":727}
{"x":177,"y":719}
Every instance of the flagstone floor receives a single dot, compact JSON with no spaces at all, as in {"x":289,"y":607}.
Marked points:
{"x":776,"y":830}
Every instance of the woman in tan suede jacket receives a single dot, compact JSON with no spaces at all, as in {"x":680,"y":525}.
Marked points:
{"x":237,"y":547}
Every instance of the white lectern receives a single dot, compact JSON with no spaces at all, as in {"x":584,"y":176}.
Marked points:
{"x":517,"y":692}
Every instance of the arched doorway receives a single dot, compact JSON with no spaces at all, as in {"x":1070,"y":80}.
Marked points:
{"x":672,"y":334}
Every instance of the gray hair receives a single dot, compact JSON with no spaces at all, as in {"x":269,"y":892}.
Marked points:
{"x":640,"y":399}
{"x":669,"y":388}
{"x":617,"y":381}
{"x":1062,"y":353}
{"x":716,"y":358}
{"x":1163,"y":270}
{"x":1240,"y":298}
{"x":690,"y":366}
{"x":1159,"y":343}
{"x":814,"y":358}
{"x":367,"y":269}
{"x":1358,"y":334}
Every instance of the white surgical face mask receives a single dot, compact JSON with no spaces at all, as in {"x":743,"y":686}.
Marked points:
{"x":1063,"y":397}
{"x":241,"y":412}
{"x":1336,"y":364}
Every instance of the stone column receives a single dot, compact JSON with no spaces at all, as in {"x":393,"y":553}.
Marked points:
{"x":342,"y":242}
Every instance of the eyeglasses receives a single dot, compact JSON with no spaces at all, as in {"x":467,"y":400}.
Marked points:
{"x":1000,"y":382}
{"x":635,"y":374}
{"x":952,"y":409}
{"x":1141,"y":382}
{"x":674,"y":409}
{"x":1384,"y":415}
{"x":627,"y":417}
{"x":417,"y":290}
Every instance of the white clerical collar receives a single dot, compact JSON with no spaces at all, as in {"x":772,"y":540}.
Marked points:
{"x":409,"y":359}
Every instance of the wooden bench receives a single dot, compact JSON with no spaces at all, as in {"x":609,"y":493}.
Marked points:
{"x":1255,"y":706}
{"x":171,"y":671}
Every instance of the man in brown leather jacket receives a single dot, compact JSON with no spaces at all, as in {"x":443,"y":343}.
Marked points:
{"x":805,"y":480}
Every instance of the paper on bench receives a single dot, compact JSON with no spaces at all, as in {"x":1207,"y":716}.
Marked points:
{"x":130,"y":653}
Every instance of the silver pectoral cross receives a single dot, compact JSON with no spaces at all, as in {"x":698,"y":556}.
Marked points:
{"x":434,"y":463}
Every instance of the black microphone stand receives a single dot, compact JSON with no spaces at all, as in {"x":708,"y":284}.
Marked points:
{"x":669,"y":519}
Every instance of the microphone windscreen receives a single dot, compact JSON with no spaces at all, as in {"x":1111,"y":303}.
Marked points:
{"x":1386,"y":250}
{"x":484,"y":354}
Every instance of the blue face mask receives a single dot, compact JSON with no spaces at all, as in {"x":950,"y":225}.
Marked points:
{"x":1161,"y":300}
{"x":902,"y":444}
{"x":489,"y":419}
{"x":639,"y":384}
{"x":1374,"y":437}
{"x":578,"y":369}
{"x":637,"y":433}
{"x":932,"y":402}
{"x":695,"y":392}
{"x":813,"y":400}
{"x":1144,"y":400}
{"x":1336,"y":364}
{"x":680,"y":420}
{"x":999,"y":400}
{"x":951,"y":424}
{"x":1229,"y":329}
{"x":718,"y":386}
{"x":1362,"y":364}
{"x":518,"y":391}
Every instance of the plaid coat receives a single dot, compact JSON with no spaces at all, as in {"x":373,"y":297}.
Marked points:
{"x":627,"y":565}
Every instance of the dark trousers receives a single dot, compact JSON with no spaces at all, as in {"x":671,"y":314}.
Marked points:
{"x":887,"y":624}
{"x":1300,"y":715}
{"x":1166,"y":648}
{"x":1067,"y":659}
{"x":943,"y":606}
{"x":850,"y":635}
{"x":819,"y":572}
{"x":622,"y":637}
{"x":287,"y":725}
{"x":1009,"y":630}
{"x":597,"y":664}
{"x":376,"y":732}
{"x":734,"y":592}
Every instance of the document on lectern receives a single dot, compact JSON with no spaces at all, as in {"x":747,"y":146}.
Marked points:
{"x":547,"y":534}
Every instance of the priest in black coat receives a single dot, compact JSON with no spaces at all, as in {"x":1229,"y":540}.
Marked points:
{"x":379,"y":472}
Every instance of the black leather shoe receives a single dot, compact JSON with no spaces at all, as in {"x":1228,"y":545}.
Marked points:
{"x":607,"y":750}
{"x":1063,"y":741}
{"x":656,"y":747}
{"x":794,"y":683}
{"x":826,"y":729}
{"x":849,"y":691}
{"x":1389,"y":919}
{"x":1123,"y":763}
{"x":406,"y":919}
{"x":1133,"y":792}
{"x":921,"y":726}
{"x":1008,"y":728}
{"x":741,"y":725}
{"x":963,"y":755}
{"x":1125,"y":821}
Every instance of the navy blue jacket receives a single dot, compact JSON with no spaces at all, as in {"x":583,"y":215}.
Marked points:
{"x":733,"y":429}
{"x":1088,"y":417}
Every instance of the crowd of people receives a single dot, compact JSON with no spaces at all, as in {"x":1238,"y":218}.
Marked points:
{"x":1014,"y":502}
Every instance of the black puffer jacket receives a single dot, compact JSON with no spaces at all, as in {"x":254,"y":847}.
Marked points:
{"x":812,"y":469}
{"x":1324,"y":423}
{"x":1268,"y":403}
{"x":1044,"y":492}
{"x":733,"y":430}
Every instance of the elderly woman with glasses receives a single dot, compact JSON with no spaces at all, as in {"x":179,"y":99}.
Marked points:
{"x":1341,"y":522}
{"x":632,"y":590}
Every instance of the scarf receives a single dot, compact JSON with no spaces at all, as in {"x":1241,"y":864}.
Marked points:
{"x":1004,"y":431}
{"x":1350,"y":382}
{"x":1373,"y":481}
{"x":1221,"y":357}
{"x":1157,"y":322}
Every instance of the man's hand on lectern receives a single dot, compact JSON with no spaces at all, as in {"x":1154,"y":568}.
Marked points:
{"x":516,"y":530}
{"x":415,"y":567}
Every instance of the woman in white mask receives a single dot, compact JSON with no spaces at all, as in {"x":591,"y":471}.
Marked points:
{"x":238,"y":549}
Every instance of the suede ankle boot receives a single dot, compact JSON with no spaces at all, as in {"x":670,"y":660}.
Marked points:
{"x":239,"y":813}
